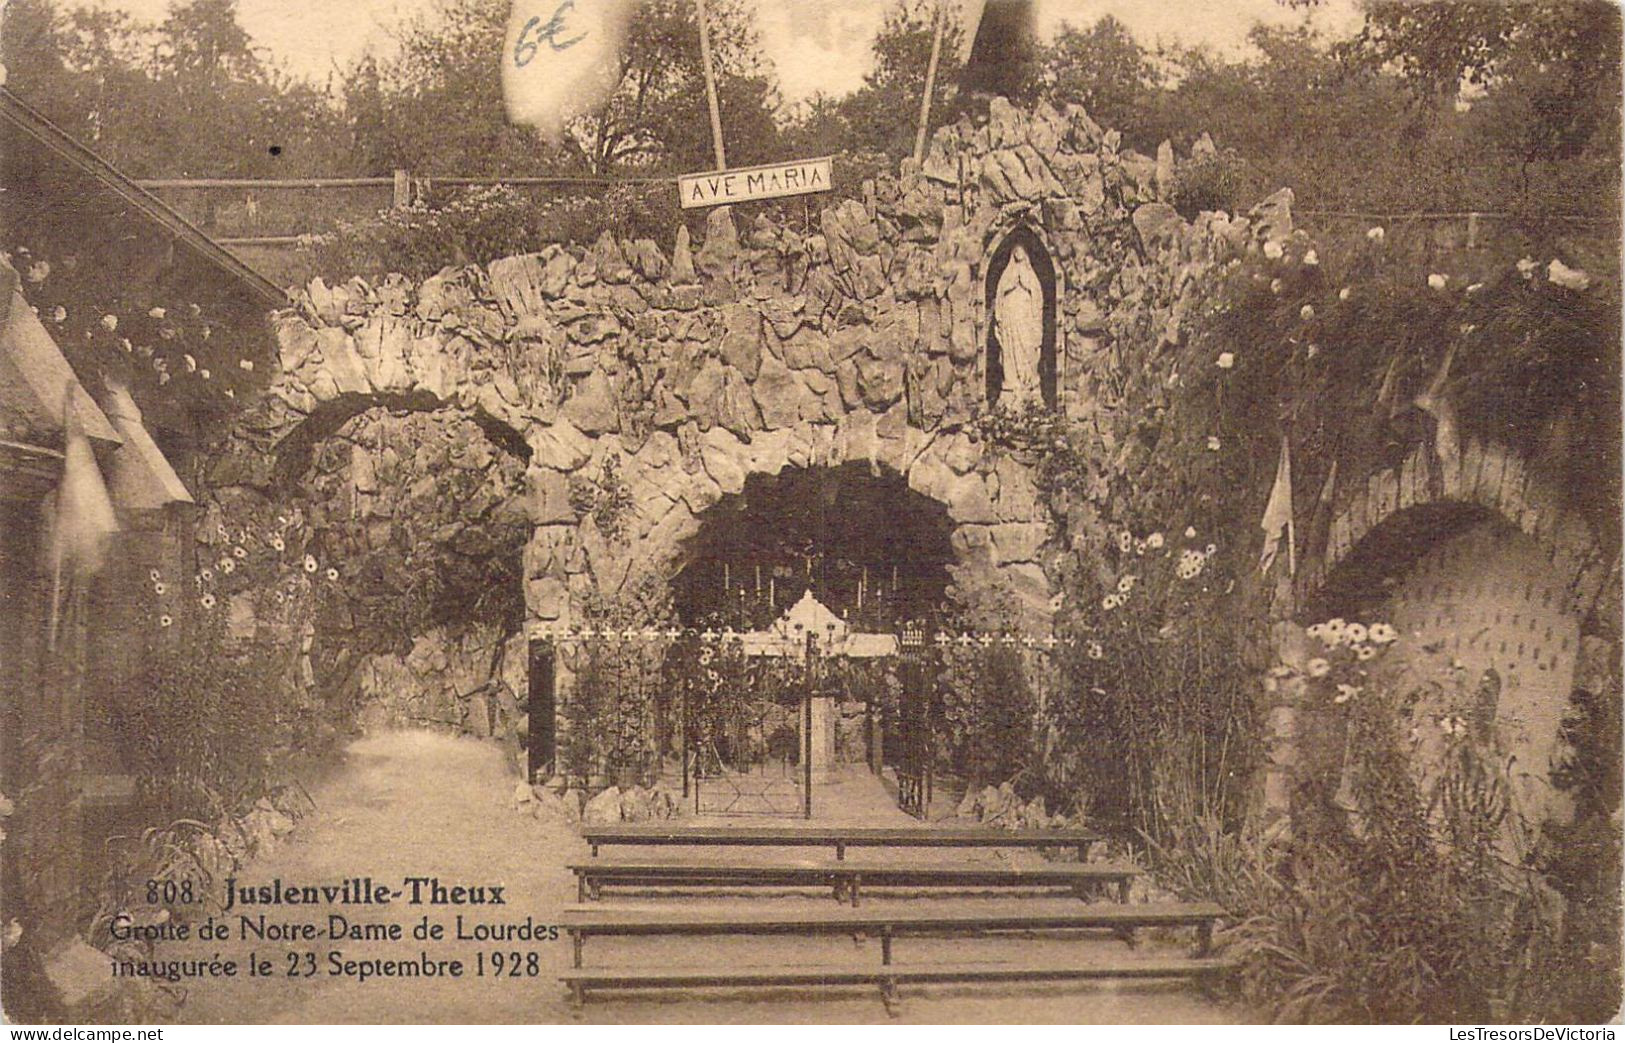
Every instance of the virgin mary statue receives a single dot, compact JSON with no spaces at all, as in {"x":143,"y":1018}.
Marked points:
{"x":1018,"y":324}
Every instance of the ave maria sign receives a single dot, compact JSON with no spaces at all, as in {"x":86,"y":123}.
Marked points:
{"x":717,"y":188}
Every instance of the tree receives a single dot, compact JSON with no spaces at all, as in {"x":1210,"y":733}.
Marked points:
{"x":1104,"y":69}
{"x":882,"y":114}
{"x":438,"y":106}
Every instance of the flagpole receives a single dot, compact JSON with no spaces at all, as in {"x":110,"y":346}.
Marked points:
{"x":711,"y":86}
{"x":930,"y":84}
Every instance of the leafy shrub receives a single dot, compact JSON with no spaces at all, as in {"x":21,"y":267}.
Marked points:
{"x":478,"y":225}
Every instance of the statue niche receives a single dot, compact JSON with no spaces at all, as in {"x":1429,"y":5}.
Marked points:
{"x":1021,"y":323}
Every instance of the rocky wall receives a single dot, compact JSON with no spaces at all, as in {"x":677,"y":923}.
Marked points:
{"x":860,"y":336}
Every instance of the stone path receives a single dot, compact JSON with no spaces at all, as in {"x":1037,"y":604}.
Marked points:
{"x":420,"y":804}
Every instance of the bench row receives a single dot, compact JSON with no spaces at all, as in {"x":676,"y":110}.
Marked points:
{"x":888,"y":978}
{"x":581,"y":924}
{"x":847,"y":879}
{"x":838,"y":837}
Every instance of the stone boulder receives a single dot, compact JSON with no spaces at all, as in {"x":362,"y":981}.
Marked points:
{"x":604,"y":809}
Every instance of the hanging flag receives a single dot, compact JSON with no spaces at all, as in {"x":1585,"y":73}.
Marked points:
{"x":1446,"y":434}
{"x":1004,"y":51}
{"x":80,"y":519}
{"x":1278,"y":515}
{"x":562,"y":59}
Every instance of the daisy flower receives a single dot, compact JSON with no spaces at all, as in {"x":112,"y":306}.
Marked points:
{"x":207,"y":601}
{"x":310,"y":563}
{"x":1227,"y":359}
{"x":1382,"y":634}
{"x":1319,"y":667}
{"x":164,"y":620}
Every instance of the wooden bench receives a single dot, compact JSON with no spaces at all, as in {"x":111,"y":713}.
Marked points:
{"x":581,"y":924}
{"x":845,"y":878}
{"x":887,"y":977}
{"x":837,"y":837}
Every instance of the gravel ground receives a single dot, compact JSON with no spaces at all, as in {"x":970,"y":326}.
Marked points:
{"x":418,"y":804}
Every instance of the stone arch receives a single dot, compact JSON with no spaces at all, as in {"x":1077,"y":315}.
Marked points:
{"x":1485,"y":479}
{"x":1480,"y":557}
{"x":1000,"y":526}
{"x":293,"y":449}
{"x":1023,"y":235}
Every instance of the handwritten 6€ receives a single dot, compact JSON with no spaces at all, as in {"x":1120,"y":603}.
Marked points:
{"x":561,"y":59}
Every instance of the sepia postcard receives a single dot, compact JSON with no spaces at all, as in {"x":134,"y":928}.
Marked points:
{"x":712,"y":512}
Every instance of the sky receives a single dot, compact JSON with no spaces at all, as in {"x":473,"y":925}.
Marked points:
{"x":815,"y":44}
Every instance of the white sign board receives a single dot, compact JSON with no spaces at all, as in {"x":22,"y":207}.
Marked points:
{"x":719,"y":188}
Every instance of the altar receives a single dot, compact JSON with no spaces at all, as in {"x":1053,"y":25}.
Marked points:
{"x":808,"y":633}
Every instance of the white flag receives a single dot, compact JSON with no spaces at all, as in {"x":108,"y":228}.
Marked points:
{"x":562,"y":59}
{"x":1278,"y":514}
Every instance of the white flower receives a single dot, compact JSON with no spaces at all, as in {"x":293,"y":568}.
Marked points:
{"x":1154,"y":541}
{"x":1437,"y":281}
{"x":207,"y":601}
{"x":164,"y":620}
{"x":1364,"y":652}
{"x":1562,"y":275}
{"x":1227,"y":359}
{"x":1319,"y":667}
{"x":155,"y":575}
{"x":1125,"y":541}
{"x":1212,"y":549}
{"x":1382,"y":634}
{"x":160,"y":589}
{"x":1526,"y":267}
{"x":1095,"y":651}
{"x":1375,"y":233}
{"x":1126,"y":584}
{"x":205,"y":575}
{"x":277,"y":544}
{"x":239,"y":552}
{"x":1109,"y":602}
{"x":1343,"y":294}
{"x":228,"y":566}
{"x":310,"y":563}
{"x":156,"y":313}
{"x":203,"y":373}
{"x":332,"y":573}
{"x":1275,"y":286}
{"x":1272,"y":250}
{"x":110,"y":323}
{"x":1190,"y":532}
{"x":246,"y":365}
{"x":59,"y":314}
{"x":1345,"y":692}
{"x":1356,"y":633}
{"x":1213,"y":443}
{"x":1306,"y":312}
{"x":1317,"y":631}
{"x":39,"y":271}
{"x":191,"y":363}
{"x":1311,"y":258}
